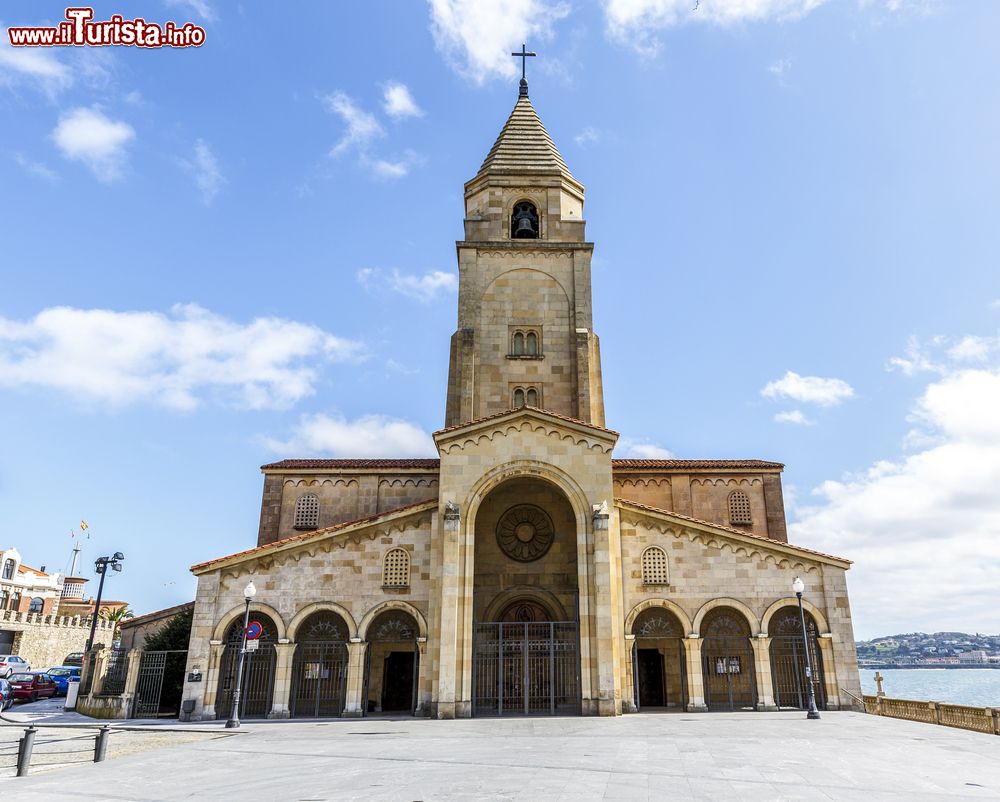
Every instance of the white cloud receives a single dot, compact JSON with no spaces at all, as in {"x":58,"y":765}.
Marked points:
{"x":35,"y":168}
{"x":924,"y":531}
{"x":362,"y":127}
{"x":36,"y":65}
{"x":368,"y":436}
{"x":204,"y":167}
{"x":121,"y":358}
{"x":793,"y":416}
{"x":633,"y":21}
{"x":88,"y":136}
{"x":939,"y":354}
{"x":423,"y":288}
{"x":390,"y":169}
{"x":199,"y":7}
{"x":587,"y":136}
{"x":478,"y":37}
{"x":398,"y":103}
{"x":808,"y":389}
{"x":641,"y":449}
{"x":778,"y":68}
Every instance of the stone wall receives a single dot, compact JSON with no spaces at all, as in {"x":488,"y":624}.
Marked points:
{"x":45,"y":640}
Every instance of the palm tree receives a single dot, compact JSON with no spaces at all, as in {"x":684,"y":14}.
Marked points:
{"x":116,"y":616}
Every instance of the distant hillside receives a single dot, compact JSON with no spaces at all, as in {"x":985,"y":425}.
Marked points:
{"x":916,"y":645}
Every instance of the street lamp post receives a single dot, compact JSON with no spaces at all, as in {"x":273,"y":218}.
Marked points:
{"x":101,"y":565}
{"x":234,"y":715}
{"x":799,"y":586}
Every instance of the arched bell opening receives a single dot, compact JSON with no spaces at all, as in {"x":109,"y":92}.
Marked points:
{"x":788,"y":661}
{"x":319,"y":666}
{"x":392,"y":663}
{"x":526,"y":652}
{"x":258,"y":670}
{"x":727,"y":661}
{"x":659,"y":674}
{"x":524,"y":221}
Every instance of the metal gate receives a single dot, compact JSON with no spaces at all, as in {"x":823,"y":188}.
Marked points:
{"x":788,"y":672}
{"x":319,"y":679}
{"x":159,"y":684}
{"x":728,"y":673}
{"x":115,"y":673}
{"x":258,"y":681}
{"x":526,"y":669}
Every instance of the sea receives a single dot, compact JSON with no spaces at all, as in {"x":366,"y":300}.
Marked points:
{"x":961,"y":686}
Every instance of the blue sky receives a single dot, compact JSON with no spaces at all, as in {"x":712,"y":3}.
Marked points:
{"x":221,"y":256}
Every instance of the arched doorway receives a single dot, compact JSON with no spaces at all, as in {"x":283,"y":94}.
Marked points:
{"x":392,"y":663}
{"x":788,"y":663}
{"x":258,"y":670}
{"x":526,"y":640}
{"x":727,"y":661}
{"x":660,"y":679}
{"x":319,"y":667}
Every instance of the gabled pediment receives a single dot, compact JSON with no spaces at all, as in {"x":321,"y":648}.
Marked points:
{"x":525,"y":419}
{"x":718,"y":536}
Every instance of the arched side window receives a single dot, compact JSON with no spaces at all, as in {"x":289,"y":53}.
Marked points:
{"x":517,"y":347}
{"x":739,"y":509}
{"x":4,"y":599}
{"x":307,"y":512}
{"x":518,"y":398}
{"x":654,"y":567}
{"x":36,"y":605}
{"x":524,"y":221}
{"x":531,"y":343}
{"x":8,"y":569}
{"x":525,"y":396}
{"x":531,"y":397}
{"x":396,"y":569}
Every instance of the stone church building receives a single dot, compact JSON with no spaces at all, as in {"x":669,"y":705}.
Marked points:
{"x":526,"y":570}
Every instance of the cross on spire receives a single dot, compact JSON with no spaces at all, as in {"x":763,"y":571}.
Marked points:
{"x":523,"y":55}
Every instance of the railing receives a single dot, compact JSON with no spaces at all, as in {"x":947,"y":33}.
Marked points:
{"x":966,"y":717}
{"x":115,"y":674}
{"x":51,"y":751}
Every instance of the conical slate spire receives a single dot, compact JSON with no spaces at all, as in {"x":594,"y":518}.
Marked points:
{"x":524,"y":147}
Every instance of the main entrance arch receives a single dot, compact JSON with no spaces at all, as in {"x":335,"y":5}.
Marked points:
{"x":727,"y":661}
{"x":393,"y":663}
{"x":788,"y":663}
{"x":526,"y":641}
{"x":258,"y":670}
{"x":319,"y":667}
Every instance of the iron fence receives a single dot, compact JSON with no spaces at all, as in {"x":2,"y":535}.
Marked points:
{"x":115,"y":674}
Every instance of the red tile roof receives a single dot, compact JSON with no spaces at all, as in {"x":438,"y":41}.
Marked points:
{"x":548,"y":412}
{"x":353,"y":464}
{"x":695,"y":464}
{"x":318,"y":532}
{"x":730,"y":529}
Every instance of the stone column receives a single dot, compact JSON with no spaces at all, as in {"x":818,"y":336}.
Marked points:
{"x":421,"y":707}
{"x":215,"y":649}
{"x":452,"y":640}
{"x":100,"y":672}
{"x":354,"y":706}
{"x":829,"y":672}
{"x":285,"y":650}
{"x":762,"y":672}
{"x":695,"y":681}
{"x":131,"y":681}
{"x":628,"y":678}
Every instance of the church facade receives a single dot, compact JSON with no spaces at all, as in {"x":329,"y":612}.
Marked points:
{"x":526,"y":570}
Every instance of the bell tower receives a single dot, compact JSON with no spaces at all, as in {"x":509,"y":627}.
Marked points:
{"x":525,"y":325}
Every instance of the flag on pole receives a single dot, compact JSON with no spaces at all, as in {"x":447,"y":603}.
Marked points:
{"x":83,"y":526}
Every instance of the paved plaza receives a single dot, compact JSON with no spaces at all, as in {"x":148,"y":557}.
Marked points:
{"x":766,"y":756}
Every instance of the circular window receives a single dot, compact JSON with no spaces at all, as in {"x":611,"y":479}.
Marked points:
{"x":525,"y":532}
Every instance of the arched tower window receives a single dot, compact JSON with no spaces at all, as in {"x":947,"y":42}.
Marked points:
{"x":396,"y":569}
{"x":739,"y":509}
{"x":518,"y":397}
{"x":517,"y":348}
{"x":8,"y":569}
{"x":524,"y":221}
{"x":531,"y":344}
{"x":531,"y":397}
{"x":654,"y":567}
{"x":307,"y":512}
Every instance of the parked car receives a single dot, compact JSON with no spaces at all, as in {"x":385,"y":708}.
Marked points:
{"x":73,"y":659}
{"x":32,"y":685}
{"x":11,"y":663}
{"x":6,"y":695}
{"x":60,"y":676}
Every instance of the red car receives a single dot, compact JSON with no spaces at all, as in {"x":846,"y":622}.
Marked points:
{"x":32,"y":686}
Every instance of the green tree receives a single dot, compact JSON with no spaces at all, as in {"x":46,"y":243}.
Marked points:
{"x":175,"y":634}
{"x":116,"y":617}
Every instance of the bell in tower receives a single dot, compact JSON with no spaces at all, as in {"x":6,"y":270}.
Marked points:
{"x":524,"y":222}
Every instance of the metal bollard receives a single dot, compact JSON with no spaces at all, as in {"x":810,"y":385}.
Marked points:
{"x":101,"y":743}
{"x":24,"y":747}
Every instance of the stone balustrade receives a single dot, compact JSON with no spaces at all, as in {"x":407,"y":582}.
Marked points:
{"x":966,"y":717}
